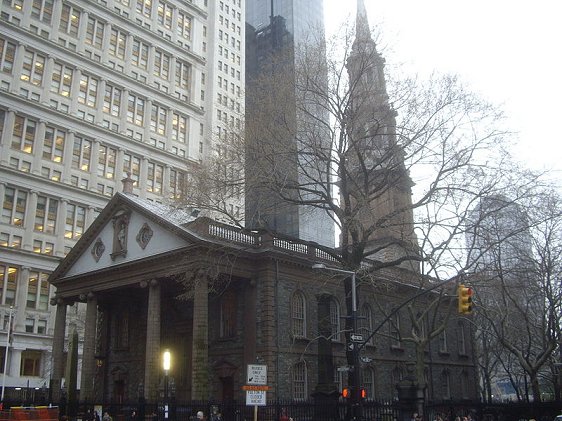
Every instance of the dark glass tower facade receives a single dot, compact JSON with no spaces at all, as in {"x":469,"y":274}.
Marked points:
{"x":271,"y":26}
{"x":299,"y":15}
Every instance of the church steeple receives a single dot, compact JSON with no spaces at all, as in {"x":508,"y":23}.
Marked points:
{"x":365,"y":63}
{"x":362,"y":31}
{"x":374,"y":155}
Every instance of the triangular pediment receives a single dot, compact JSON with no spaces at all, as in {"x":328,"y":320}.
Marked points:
{"x":126,"y":237}
{"x":126,"y":231}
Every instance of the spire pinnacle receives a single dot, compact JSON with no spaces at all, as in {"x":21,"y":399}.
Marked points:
{"x":362,"y":31}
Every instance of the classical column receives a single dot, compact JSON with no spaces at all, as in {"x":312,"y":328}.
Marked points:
{"x":94,"y":159}
{"x":200,"y":341}
{"x":152,"y":358}
{"x":68,"y":155}
{"x":143,"y":178}
{"x":27,"y":7}
{"x":29,"y":221}
{"x":18,"y":320}
{"x":46,"y":95}
{"x":99,"y":100}
{"x":88,"y":351}
{"x":57,"y":11}
{"x":75,"y":92}
{"x":106,"y":43}
{"x":82,"y":32}
{"x":57,"y":371}
{"x":169,"y":127}
{"x":146,"y":118}
{"x":38,"y":147}
{"x":151,"y":60}
{"x":61,"y":228}
{"x":6,"y":138}
{"x":14,"y":367}
{"x":18,"y":64}
{"x":123,"y":123}
{"x":119,"y":171}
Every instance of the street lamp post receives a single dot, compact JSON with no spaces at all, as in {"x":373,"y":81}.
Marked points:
{"x":8,"y":341}
{"x":351,"y":346}
{"x":166,"y":363}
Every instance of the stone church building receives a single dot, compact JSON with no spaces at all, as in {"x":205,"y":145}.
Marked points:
{"x":156,"y":278}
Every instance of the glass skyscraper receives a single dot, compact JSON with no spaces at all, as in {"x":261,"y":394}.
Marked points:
{"x":271,"y":26}
{"x":300,"y":15}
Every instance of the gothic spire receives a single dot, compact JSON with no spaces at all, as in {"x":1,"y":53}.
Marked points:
{"x":362,"y":31}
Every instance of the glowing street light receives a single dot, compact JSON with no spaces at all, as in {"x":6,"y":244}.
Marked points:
{"x":166,"y":364}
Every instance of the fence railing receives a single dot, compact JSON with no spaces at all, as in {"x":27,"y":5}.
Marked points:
{"x":236,"y":411}
{"x":305,"y":410}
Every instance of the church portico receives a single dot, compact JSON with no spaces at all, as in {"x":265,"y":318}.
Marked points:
{"x":146,"y":296}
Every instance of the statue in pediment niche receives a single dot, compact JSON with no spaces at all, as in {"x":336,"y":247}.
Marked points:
{"x":120,"y":230}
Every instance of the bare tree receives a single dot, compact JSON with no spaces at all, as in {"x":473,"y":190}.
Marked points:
{"x":398,"y":164}
{"x":518,"y":279}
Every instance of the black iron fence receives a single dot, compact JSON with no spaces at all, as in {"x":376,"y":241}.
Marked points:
{"x":298,"y":410}
{"x":237,"y":411}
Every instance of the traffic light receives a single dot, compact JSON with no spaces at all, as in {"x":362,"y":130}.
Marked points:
{"x":346,"y":393}
{"x":465,"y":299}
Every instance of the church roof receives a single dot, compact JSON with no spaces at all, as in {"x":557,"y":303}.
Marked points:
{"x":173,"y":228}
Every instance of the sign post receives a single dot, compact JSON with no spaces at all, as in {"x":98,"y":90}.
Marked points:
{"x":256,"y":387}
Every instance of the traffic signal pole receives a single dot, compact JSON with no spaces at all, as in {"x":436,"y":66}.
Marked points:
{"x":356,"y":410}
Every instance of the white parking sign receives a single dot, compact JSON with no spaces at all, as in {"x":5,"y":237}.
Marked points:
{"x":255,"y":397}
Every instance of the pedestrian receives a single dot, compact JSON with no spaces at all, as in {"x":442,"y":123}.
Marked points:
{"x":284,"y":416}
{"x":216,"y":415}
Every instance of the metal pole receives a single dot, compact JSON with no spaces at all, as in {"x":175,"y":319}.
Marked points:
{"x":6,"y":353}
{"x":355,"y":410}
{"x":166,"y":409}
{"x":356,"y":394}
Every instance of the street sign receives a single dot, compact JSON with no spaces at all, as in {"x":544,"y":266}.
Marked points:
{"x":257,"y":374}
{"x":350,"y":346}
{"x":356,"y":337}
{"x":366,"y":360}
{"x":255,"y":387}
{"x":255,"y":397}
{"x":344,"y":368}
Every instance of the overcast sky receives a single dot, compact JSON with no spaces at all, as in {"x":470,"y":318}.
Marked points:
{"x":507,"y":51}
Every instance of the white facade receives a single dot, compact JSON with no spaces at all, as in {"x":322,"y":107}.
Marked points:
{"x":91,"y":91}
{"x":226,"y":89}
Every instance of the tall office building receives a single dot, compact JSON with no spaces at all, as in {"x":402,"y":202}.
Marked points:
{"x":510,"y":295}
{"x":279,"y":26}
{"x":498,"y":238}
{"x":92,"y":91}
